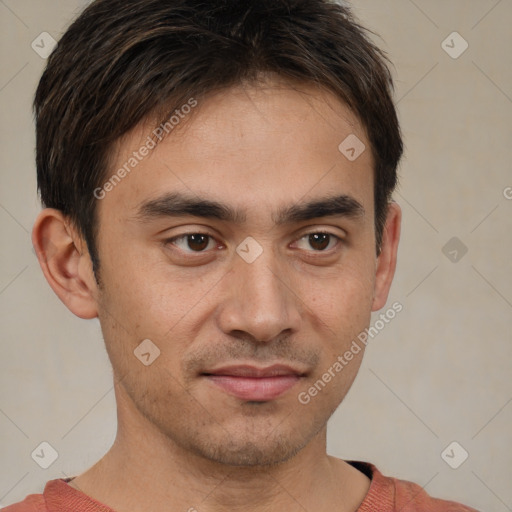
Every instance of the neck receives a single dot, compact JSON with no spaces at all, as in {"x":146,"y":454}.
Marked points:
{"x":146,"y":471}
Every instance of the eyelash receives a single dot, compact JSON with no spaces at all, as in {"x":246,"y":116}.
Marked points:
{"x":320,"y":232}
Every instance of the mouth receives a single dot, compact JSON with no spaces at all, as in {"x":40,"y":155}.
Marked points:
{"x":255,"y":384}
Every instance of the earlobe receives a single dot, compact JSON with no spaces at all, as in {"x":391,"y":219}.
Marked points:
{"x":386,"y":262}
{"x":65,"y":262}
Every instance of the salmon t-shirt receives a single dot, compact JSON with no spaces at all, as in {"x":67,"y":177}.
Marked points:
{"x":385,"y":495}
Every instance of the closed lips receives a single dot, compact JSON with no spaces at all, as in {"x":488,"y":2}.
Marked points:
{"x":254,"y":384}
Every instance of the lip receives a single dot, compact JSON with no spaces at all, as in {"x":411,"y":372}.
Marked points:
{"x":252,"y":383}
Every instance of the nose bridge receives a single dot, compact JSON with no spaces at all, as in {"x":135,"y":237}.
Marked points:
{"x":260,"y":300}
{"x":264,"y":291}
{"x":265,"y":283}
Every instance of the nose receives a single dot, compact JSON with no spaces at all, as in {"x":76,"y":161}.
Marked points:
{"x":259,"y":300}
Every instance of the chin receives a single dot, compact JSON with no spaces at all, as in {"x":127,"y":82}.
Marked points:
{"x":250,"y":453}
{"x":249,"y":442}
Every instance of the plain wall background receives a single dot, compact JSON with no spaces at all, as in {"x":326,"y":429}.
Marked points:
{"x":439,"y":372}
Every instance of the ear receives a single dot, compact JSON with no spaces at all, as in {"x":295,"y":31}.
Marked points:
{"x":65,"y":262}
{"x":386,"y":262}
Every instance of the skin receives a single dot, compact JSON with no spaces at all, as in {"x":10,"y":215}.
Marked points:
{"x":182,"y":442}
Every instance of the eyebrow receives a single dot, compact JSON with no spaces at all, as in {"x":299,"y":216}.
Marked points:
{"x":177,"y":204}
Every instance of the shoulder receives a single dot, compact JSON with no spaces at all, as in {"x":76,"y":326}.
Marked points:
{"x":32,"y":503}
{"x":39,"y":502}
{"x":411,"y":497}
{"x":391,"y":494}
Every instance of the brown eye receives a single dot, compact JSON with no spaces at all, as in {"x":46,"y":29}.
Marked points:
{"x":193,"y":242}
{"x":197,"y":242}
{"x":320,"y":242}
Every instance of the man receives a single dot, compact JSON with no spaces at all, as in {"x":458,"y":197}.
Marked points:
{"x":217,"y":183}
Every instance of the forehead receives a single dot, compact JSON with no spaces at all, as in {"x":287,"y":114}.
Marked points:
{"x":251,"y":146}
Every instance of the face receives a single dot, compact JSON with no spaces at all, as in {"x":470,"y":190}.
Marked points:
{"x":243,"y":248}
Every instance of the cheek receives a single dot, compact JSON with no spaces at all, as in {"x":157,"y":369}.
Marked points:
{"x":143,"y":295}
{"x":145,"y":302}
{"x":329,"y":384}
{"x":342,"y":302}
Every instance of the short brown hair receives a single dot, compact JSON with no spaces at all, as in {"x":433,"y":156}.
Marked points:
{"x":122,"y":62}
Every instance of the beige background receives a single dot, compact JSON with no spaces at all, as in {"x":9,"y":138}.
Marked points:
{"x":439,"y":372}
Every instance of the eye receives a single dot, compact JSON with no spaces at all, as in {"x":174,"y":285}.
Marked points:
{"x":192,"y":242}
{"x":320,"y":241}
